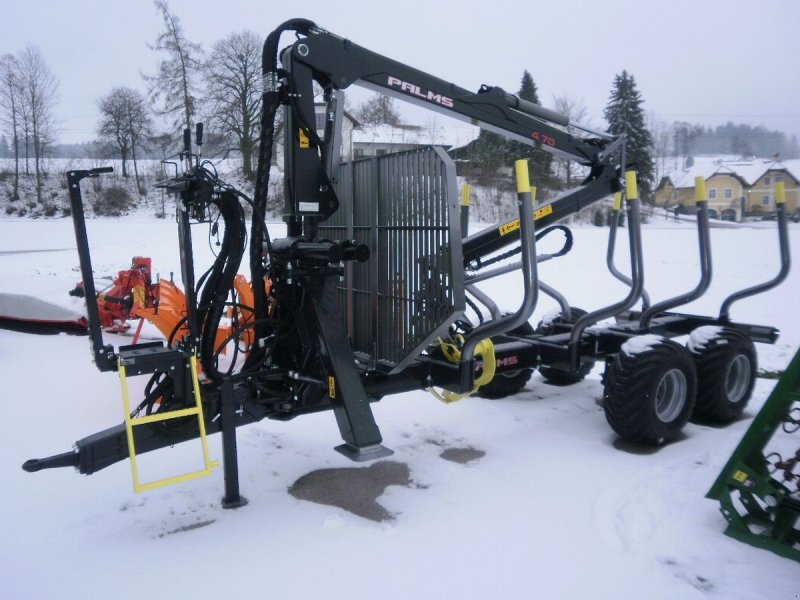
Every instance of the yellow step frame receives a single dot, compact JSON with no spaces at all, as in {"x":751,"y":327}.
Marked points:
{"x":131,"y":422}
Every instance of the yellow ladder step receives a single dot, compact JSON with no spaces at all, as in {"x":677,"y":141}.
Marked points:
{"x":131,"y":422}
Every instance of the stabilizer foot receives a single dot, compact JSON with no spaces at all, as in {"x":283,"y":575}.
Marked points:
{"x":237,"y":503}
{"x":364,"y":453}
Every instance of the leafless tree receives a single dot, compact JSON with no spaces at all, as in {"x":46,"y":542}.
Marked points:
{"x":11,"y":105}
{"x":577,"y":112}
{"x":124,"y":121}
{"x":685,"y":135}
{"x":164,"y":143}
{"x":233,"y":77}
{"x":378,"y":110}
{"x":661,"y":134}
{"x":433,"y":129}
{"x":39,"y":95}
{"x":174,"y":83}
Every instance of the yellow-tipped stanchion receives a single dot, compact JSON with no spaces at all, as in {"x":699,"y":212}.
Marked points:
{"x":700,"y":193}
{"x":631,"y":187}
{"x":780,"y":193}
{"x":617,"y":200}
{"x":523,"y":181}
{"x":465,"y":192}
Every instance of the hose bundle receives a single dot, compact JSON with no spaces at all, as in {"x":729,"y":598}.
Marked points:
{"x":219,"y":282}
{"x":259,"y":238}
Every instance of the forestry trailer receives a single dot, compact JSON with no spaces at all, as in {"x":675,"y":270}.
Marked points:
{"x":367,"y":295}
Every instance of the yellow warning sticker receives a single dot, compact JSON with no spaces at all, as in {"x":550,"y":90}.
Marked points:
{"x":332,"y":386}
{"x":507,"y":228}
{"x":304,"y":141}
{"x":740,"y":476}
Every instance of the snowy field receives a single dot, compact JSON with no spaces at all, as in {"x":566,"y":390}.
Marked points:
{"x":555,"y":508}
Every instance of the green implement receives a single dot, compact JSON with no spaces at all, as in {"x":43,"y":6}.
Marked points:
{"x":759,"y":488}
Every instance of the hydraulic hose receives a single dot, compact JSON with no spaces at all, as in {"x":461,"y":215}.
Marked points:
{"x":270,"y":102}
{"x":220,"y":280}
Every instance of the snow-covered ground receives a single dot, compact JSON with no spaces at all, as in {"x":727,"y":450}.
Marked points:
{"x":556,"y":508}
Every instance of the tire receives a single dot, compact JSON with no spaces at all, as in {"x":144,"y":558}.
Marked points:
{"x":726,"y":364}
{"x":554,"y":375}
{"x":650,"y":389}
{"x":508,"y":383}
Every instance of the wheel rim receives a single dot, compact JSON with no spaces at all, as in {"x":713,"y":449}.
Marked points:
{"x":671,"y":395}
{"x":737,"y":379}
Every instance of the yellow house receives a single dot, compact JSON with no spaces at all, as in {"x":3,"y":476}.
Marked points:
{"x":761,"y":195}
{"x":670,"y":194}
{"x":736,"y":189}
{"x":726,"y":195}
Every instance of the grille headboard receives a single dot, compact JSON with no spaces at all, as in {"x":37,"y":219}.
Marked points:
{"x":404,"y":207}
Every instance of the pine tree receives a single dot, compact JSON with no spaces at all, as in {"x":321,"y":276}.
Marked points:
{"x":624,"y":114}
{"x":539,"y":160}
{"x":491,"y":151}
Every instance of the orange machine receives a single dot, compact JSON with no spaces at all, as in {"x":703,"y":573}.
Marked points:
{"x":133,"y":295}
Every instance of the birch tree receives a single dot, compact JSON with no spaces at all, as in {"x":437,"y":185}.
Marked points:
{"x":39,"y":94}
{"x":10,"y":102}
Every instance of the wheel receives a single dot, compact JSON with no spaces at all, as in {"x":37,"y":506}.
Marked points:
{"x":650,"y":389}
{"x":555,"y":375}
{"x":726,"y":365}
{"x":508,"y":383}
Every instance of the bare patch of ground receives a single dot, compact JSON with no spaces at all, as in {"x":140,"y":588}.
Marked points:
{"x":355,"y":490}
{"x":462,"y":456}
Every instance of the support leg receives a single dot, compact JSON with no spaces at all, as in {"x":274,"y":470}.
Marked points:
{"x":230,"y":458}
{"x":350,"y":403}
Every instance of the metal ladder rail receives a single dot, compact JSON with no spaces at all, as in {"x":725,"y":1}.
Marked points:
{"x":131,"y":422}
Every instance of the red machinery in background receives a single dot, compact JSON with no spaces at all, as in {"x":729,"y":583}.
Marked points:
{"x":133,"y":295}
{"x":133,"y":289}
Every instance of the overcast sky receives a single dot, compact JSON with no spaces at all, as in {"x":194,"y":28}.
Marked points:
{"x":702,"y":61}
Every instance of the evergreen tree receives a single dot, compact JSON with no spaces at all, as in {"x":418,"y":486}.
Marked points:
{"x":624,"y":114}
{"x":539,"y":160}
{"x":491,"y":151}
